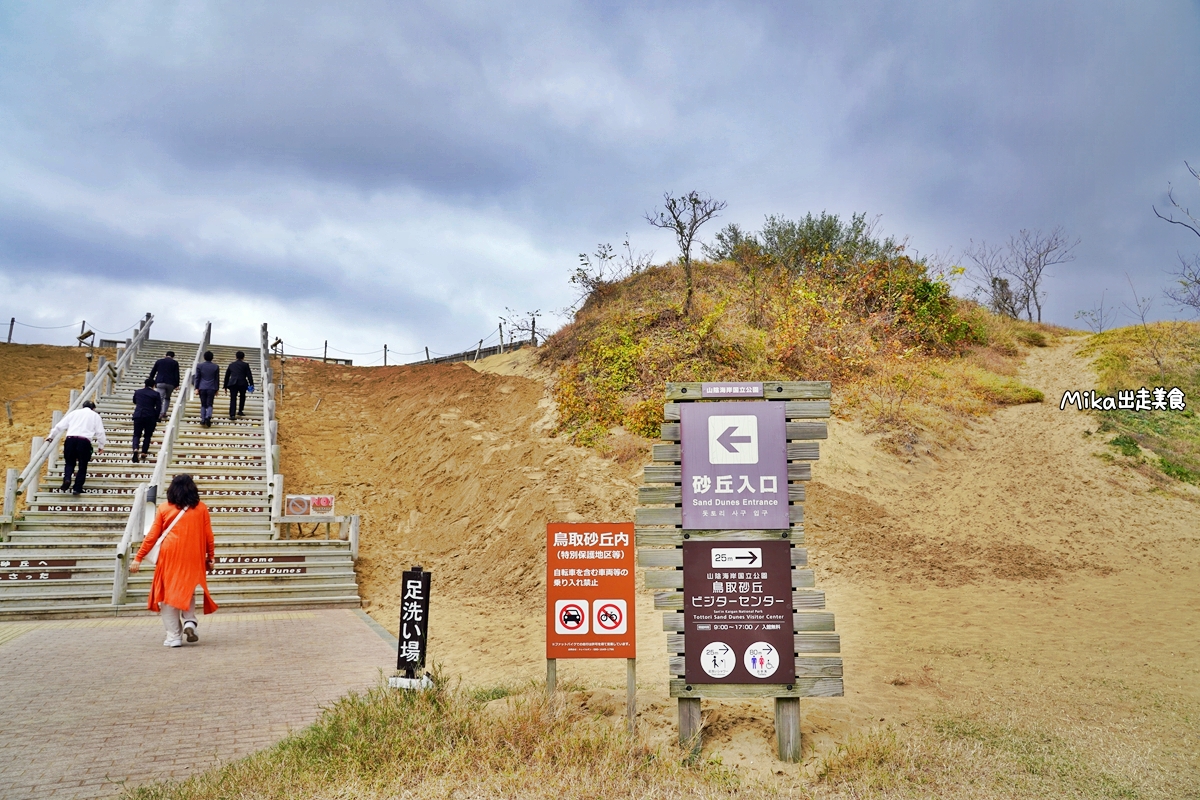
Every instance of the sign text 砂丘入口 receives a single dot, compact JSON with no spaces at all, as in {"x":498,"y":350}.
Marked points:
{"x":734,"y":466}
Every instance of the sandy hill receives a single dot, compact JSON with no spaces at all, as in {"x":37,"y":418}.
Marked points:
{"x":1016,"y":609}
{"x":35,"y":380}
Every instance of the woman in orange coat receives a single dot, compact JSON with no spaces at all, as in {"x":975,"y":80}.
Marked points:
{"x":185,"y":556}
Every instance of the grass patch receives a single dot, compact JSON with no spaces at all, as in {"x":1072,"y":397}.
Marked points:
{"x":445,"y":743}
{"x":1167,"y":355}
{"x":966,"y":755}
{"x":490,"y":693}
{"x":1126,"y":445}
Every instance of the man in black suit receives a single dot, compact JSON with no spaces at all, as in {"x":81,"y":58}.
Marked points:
{"x":165,"y":375}
{"x":237,"y":380}
{"x":147,"y":404}
{"x":208,"y":382}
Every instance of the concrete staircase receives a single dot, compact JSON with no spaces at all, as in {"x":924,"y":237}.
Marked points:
{"x":61,"y":556}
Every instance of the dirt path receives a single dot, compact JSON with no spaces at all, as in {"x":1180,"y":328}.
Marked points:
{"x":1018,"y":580}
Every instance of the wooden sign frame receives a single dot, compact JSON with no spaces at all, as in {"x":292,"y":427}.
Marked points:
{"x":659,"y":537}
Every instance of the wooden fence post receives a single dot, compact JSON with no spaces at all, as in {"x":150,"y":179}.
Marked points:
{"x":426,"y":355}
{"x":787,"y":728}
{"x":551,"y":678}
{"x":689,"y":726}
{"x":11,"y":323}
{"x":631,"y":695}
{"x":477,"y":349}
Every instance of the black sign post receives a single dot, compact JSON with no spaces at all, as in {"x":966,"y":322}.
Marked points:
{"x":414,"y":622}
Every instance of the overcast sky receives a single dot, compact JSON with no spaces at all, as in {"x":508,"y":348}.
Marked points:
{"x":371,"y":172}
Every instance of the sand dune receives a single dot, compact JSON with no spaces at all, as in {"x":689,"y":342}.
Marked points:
{"x":1016,"y":576}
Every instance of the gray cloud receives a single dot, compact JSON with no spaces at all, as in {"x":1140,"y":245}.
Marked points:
{"x":415,"y":168}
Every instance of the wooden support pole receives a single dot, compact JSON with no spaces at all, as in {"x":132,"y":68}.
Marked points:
{"x":631,"y":695}
{"x":551,"y":678}
{"x":8,"y":411}
{"x":689,"y":726}
{"x":325,"y":355}
{"x":787,"y":728}
{"x":426,"y":355}
{"x":501,"y":329}
{"x":385,"y":355}
{"x":74,"y":396}
{"x":11,"y":323}
{"x":477,"y":349}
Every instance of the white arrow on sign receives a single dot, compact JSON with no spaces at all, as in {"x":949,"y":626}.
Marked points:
{"x":733,"y":439}
{"x":733,"y":557}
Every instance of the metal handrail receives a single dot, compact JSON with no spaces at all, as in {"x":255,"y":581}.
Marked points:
{"x":167,"y":448}
{"x":91,"y":388}
{"x":135,"y":526}
{"x":135,"y":344}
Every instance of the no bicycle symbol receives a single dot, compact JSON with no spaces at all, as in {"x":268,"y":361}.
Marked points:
{"x":610,"y":616}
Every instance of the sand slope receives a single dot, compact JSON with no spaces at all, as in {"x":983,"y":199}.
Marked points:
{"x":1017,"y":577}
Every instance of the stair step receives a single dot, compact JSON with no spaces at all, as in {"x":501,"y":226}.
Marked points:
{"x":62,"y":550}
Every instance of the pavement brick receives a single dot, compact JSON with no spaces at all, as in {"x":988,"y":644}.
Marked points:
{"x":86,"y":706}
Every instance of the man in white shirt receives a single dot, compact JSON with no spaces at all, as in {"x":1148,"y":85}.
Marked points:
{"x":82,"y":426}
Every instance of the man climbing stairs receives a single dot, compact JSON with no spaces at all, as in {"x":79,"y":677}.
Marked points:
{"x":61,"y":556}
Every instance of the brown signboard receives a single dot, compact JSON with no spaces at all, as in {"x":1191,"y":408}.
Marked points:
{"x":738,"y":612}
{"x":34,"y":576}
{"x":222,"y":572}
{"x":590,"y":590}
{"x":35,"y":563}
{"x":260,"y":559}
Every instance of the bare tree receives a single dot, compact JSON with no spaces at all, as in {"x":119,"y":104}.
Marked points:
{"x":1099,"y":317}
{"x":1031,"y":253}
{"x":1188,"y":274}
{"x":591,"y":279}
{"x":522,"y":323}
{"x":1158,"y":340}
{"x":1188,"y":278}
{"x":1012,"y":279}
{"x":992,"y":281}
{"x":683,"y":216}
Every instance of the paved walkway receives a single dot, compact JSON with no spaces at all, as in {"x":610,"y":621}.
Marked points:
{"x":88,"y":704}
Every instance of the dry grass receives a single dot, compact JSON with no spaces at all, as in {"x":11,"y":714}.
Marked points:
{"x":917,"y":370}
{"x":975,"y":755}
{"x":510,"y":743}
{"x":449,"y":743}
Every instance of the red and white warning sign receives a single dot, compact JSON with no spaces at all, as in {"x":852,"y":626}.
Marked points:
{"x":589,"y":590}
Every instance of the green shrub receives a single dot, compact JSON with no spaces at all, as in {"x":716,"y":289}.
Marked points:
{"x":1126,"y":444}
